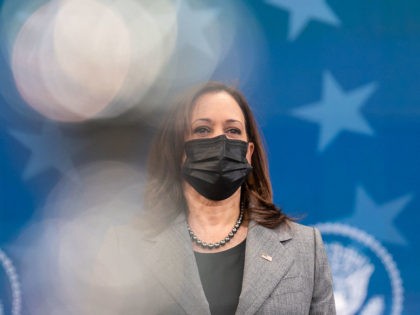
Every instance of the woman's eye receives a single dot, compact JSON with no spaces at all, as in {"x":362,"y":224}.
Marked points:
{"x":235,"y":131}
{"x":201,"y":130}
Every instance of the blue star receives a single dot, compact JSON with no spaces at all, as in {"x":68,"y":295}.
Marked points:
{"x":337,"y":111}
{"x":192,"y":24}
{"x":378,"y":220}
{"x":302,"y":11}
{"x":47,"y":151}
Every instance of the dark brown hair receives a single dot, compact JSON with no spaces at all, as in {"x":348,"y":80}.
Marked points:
{"x":164,"y":197}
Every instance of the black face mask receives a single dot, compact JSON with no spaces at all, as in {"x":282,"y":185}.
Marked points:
{"x":216,"y":167}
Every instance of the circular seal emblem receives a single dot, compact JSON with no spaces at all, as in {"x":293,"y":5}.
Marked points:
{"x":10,"y":294}
{"x":366,"y":278}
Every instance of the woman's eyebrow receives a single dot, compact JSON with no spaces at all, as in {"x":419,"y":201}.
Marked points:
{"x":208,"y":120}
{"x":234,"y":121}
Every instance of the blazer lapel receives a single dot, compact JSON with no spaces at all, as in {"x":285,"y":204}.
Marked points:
{"x":172,"y":261}
{"x":266,"y":262}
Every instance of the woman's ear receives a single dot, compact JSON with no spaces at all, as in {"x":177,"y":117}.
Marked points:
{"x":249,"y":152}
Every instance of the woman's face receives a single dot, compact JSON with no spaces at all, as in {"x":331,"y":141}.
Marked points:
{"x":216,"y":114}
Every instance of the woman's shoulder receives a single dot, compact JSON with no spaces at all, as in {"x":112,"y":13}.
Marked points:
{"x":297,"y":226}
{"x":297,"y":231}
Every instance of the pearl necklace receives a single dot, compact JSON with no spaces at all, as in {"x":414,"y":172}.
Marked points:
{"x":223,"y":242}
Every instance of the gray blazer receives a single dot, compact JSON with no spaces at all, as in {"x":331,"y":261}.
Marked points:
{"x":160,"y":275}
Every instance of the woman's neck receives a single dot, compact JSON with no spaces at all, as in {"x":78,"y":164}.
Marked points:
{"x":210,"y":220}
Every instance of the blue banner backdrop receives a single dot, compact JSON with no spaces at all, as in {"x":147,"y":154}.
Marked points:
{"x":335,"y":88}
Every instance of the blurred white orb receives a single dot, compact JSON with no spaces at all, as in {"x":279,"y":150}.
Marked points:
{"x":74,"y":60}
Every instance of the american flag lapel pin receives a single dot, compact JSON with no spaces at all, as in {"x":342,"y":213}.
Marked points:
{"x":267,"y":257}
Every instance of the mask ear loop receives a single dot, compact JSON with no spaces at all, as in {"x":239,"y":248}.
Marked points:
{"x":243,"y":200}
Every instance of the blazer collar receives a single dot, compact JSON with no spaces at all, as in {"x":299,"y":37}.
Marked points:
{"x":267,"y":260}
{"x":171,"y":259}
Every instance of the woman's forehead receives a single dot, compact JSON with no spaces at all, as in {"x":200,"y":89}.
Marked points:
{"x":216,"y":105}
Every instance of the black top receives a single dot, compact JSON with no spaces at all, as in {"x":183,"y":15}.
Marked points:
{"x":221,"y":277}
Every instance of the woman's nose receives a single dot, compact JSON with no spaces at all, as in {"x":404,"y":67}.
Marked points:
{"x":220,"y":131}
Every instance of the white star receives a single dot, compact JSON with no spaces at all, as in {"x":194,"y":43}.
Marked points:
{"x":192,"y":27}
{"x":337,"y":111}
{"x":302,"y":11}
{"x":378,"y":220}
{"x":47,"y":151}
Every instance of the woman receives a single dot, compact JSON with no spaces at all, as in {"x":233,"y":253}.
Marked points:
{"x":219,"y":245}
